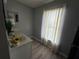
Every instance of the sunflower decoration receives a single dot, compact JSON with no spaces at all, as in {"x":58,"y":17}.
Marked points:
{"x":15,"y":39}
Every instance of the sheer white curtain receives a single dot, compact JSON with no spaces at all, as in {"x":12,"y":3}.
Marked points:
{"x":52,"y":24}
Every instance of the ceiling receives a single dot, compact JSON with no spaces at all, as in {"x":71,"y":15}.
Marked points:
{"x":34,"y":3}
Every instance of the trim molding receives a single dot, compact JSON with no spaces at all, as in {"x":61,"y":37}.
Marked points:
{"x":64,"y":55}
{"x":35,"y":38}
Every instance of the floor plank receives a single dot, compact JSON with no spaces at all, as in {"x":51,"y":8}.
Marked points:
{"x":41,"y":52}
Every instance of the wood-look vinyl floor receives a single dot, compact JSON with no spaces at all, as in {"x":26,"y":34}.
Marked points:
{"x":41,"y":52}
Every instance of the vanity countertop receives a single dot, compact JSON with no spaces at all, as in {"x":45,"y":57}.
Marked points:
{"x":26,"y":41}
{"x":23,"y":42}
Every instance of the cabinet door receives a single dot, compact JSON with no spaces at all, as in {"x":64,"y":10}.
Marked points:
{"x":23,"y":52}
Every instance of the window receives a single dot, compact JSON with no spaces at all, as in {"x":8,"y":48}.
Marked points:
{"x":52,"y":24}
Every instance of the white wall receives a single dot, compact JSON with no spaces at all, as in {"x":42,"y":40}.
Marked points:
{"x":25,"y":16}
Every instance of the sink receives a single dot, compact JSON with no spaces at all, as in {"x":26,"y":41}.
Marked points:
{"x":15,"y":39}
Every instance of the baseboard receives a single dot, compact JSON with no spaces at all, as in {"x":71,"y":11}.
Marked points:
{"x":35,"y":38}
{"x":39,"y":40}
{"x":62,"y":54}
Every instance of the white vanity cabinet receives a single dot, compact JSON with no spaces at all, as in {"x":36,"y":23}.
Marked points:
{"x":23,"y":51}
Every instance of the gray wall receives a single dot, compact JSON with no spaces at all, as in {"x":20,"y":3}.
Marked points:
{"x":70,"y":24}
{"x":25,"y":16}
{"x":4,"y":52}
{"x":38,"y":13}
